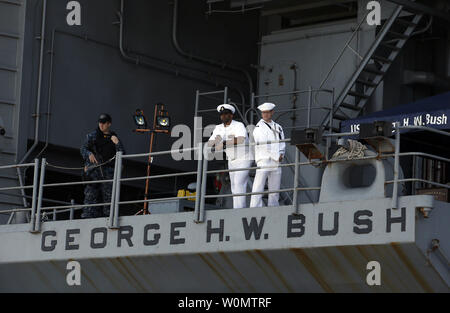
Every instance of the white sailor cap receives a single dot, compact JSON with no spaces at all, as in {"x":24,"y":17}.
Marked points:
{"x":225,"y":106}
{"x":267,"y":106}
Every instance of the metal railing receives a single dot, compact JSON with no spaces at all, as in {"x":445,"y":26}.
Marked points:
{"x":203,"y":153}
{"x":34,"y":187}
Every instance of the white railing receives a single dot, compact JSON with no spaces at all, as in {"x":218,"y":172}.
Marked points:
{"x":37,"y":210}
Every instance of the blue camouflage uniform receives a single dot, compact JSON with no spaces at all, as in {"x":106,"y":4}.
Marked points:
{"x":100,"y":192}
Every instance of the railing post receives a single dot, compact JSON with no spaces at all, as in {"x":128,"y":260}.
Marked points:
{"x":296,"y":175}
{"x":34,"y":198}
{"x":197,"y":99}
{"x":252,"y":106}
{"x":330,"y":124}
{"x":201,"y":217}
{"x":396,"y":166}
{"x":72,"y":201}
{"x":117,"y":191}
{"x":113,"y":193}
{"x":199,"y":183}
{"x":308,"y":123}
{"x":37,"y":224}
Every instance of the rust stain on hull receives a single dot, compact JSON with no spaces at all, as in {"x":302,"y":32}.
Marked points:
{"x":262,"y":269}
{"x":312,"y":269}
{"x":42,"y":277}
{"x":220,"y":268}
{"x":275,"y":270}
{"x":142,"y":288}
{"x":339,"y":268}
{"x":105,"y":274}
{"x":141,"y":273}
{"x":215,"y":271}
{"x":401,"y":254}
{"x":232,"y":266}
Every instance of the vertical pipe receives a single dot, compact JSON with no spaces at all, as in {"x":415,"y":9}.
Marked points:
{"x":252,"y":107}
{"x":330,"y":125}
{"x":396,"y":166}
{"x":20,"y":216}
{"x":414,"y":174}
{"x":54,"y":214}
{"x":117,"y":191}
{"x":296,"y":175}
{"x":204,"y":181}
{"x":308,"y":123}
{"x":196,"y":119}
{"x":35,"y":190}
{"x":72,"y":201}
{"x":197,"y":97}
{"x":113,"y":193}
{"x":225,"y":95}
{"x":147,"y":181}
{"x":199,"y":183}
{"x":39,"y":87}
{"x":39,"y":199}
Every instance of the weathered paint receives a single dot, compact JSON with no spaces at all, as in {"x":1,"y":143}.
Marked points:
{"x":265,"y":265}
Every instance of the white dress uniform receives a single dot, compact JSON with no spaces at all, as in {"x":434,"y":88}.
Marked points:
{"x":267,"y":155}
{"x":238,"y":157}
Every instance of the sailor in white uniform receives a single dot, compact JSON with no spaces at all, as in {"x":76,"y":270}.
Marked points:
{"x":231,"y":133}
{"x":267,"y":155}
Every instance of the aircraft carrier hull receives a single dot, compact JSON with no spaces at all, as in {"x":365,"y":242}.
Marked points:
{"x":229,"y":253}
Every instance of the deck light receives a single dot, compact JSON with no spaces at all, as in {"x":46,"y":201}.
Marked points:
{"x":377,"y":135}
{"x":307,"y":141}
{"x":161,"y":124}
{"x":139,"y":119}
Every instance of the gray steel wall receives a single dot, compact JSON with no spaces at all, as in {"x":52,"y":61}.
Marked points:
{"x":12,"y":22}
{"x":89,"y":78}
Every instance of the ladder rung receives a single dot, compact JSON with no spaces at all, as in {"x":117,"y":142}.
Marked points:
{"x":405,"y":22}
{"x":350,"y":106}
{"x":398,"y":35}
{"x":357,"y":94}
{"x":373,"y":71}
{"x":366,"y":82}
{"x":381,"y":59}
{"x":391,"y":47}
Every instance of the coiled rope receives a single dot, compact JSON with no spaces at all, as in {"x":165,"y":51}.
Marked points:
{"x":355,"y":150}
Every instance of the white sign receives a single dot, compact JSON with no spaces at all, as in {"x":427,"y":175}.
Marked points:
{"x":363,"y":222}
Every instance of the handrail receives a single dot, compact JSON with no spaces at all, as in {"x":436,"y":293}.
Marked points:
{"x":347,"y":44}
{"x":387,"y":25}
{"x":287,"y":93}
{"x":4,"y":167}
{"x":22,"y":187}
{"x":38,"y":210}
{"x":418,"y":180}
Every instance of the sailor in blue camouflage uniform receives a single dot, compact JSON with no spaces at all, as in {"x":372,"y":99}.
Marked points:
{"x":99,"y":147}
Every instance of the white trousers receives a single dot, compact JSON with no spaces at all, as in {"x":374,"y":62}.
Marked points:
{"x":239,"y":181}
{"x":274,"y":181}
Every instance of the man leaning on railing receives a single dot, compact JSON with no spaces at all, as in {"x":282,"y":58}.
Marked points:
{"x":227,"y":135}
{"x":98,"y":152}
